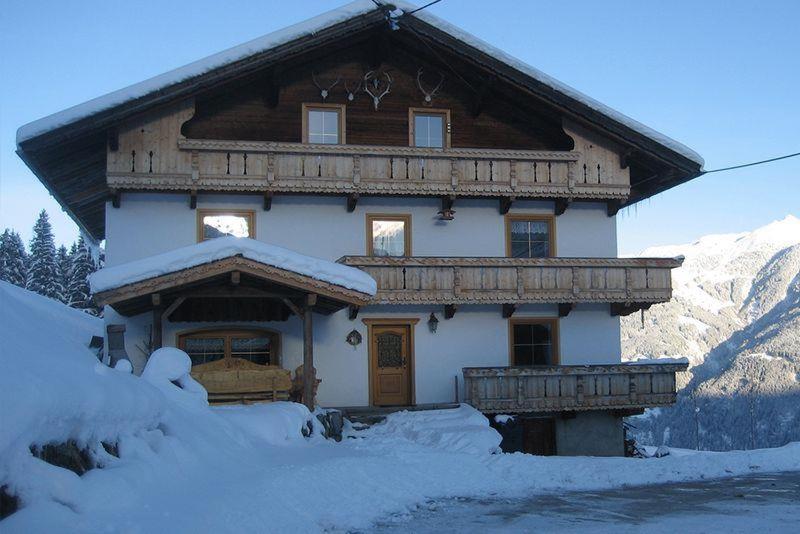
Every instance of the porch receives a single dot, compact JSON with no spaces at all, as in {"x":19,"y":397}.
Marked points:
{"x":625,"y":388}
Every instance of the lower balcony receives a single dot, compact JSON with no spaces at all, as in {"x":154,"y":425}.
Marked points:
{"x":626,"y":388}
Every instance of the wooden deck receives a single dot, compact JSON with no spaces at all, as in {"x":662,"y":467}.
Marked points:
{"x":488,"y":280}
{"x":563,"y":388}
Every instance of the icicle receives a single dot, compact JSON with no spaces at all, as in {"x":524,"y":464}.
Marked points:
{"x":642,"y":313}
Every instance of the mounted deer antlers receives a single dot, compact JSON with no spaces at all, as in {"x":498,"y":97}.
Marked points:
{"x":351,"y":95}
{"x":429,"y":94}
{"x":371,"y":78}
{"x":324,"y":92}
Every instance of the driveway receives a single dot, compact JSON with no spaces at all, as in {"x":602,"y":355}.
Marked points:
{"x":769,"y":503}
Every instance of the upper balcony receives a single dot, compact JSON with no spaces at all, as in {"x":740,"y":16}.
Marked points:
{"x":270,"y":167}
{"x":628,"y":284}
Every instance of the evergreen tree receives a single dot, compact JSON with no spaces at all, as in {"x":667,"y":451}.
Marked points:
{"x":78,"y":294}
{"x":12,"y":258}
{"x":43,"y":269}
{"x":64,"y":261}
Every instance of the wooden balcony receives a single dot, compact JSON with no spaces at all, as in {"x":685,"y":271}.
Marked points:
{"x":624,"y":387}
{"x":627,"y":283}
{"x":256,"y":166}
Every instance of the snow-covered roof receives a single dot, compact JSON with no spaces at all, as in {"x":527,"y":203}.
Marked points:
{"x":311,"y":27}
{"x":227,"y":247}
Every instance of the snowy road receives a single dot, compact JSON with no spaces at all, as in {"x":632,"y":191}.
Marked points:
{"x":767,"y":503}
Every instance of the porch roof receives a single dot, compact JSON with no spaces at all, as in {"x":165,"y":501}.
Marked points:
{"x":266,"y":280}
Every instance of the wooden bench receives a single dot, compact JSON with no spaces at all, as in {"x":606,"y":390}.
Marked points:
{"x":238,"y":381}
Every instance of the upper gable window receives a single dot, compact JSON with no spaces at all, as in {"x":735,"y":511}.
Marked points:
{"x":223,"y":223}
{"x":429,"y":128}
{"x":529,"y":236}
{"x":323,"y":124}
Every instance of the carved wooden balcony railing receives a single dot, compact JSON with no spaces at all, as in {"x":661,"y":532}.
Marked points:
{"x":210,"y":165}
{"x":481,"y":280}
{"x":553,"y":388}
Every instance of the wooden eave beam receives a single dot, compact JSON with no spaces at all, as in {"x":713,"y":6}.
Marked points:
{"x":561,"y":205}
{"x":293,"y":307}
{"x":352,"y":312}
{"x":172,"y":307}
{"x":268,"y":200}
{"x":505,"y":204}
{"x":449,"y":311}
{"x":116,"y":198}
{"x":565,"y":308}
{"x":613,"y":207}
{"x":508,"y":310}
{"x":193,"y":200}
{"x":352,"y":200}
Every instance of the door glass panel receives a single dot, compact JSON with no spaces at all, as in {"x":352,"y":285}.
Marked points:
{"x":204,"y":349}
{"x":254,"y":349}
{"x":390,"y":350}
{"x":388,"y":238}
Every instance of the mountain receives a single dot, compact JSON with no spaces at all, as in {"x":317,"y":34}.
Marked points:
{"x":735,"y":315}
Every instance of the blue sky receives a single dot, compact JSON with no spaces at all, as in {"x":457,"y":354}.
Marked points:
{"x":722,"y":77}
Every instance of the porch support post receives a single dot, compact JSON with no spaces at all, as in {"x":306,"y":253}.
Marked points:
{"x":309,"y":376}
{"x":157,"y":332}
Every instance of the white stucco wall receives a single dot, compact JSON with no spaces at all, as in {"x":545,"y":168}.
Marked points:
{"x":147,"y":224}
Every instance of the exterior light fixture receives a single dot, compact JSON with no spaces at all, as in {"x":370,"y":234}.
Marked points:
{"x":433,"y":323}
{"x":353,"y":338}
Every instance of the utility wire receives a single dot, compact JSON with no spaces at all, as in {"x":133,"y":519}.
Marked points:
{"x":787,"y":156}
{"x":429,"y":4}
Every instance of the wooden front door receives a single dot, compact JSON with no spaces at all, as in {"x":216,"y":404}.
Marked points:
{"x":390,"y":354}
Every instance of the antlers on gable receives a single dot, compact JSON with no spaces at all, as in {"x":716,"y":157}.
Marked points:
{"x":429,"y":94}
{"x":324,"y":91}
{"x":371,"y":79}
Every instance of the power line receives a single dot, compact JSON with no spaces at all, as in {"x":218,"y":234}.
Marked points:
{"x":787,"y":156}
{"x":429,"y":4}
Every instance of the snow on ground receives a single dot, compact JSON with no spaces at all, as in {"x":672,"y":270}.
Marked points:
{"x":185,"y":467}
{"x":227,"y":247}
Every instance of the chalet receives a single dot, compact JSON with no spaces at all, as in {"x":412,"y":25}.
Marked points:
{"x":373,"y":208}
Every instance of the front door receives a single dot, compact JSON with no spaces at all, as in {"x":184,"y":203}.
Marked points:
{"x":390,"y":354}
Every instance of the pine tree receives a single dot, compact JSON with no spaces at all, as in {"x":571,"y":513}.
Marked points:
{"x":12,"y":258}
{"x":78,"y":294}
{"x":43,"y":271}
{"x":64,"y":261}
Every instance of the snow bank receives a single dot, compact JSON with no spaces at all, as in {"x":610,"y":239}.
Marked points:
{"x":52,"y":386}
{"x":310,"y":27}
{"x":658,"y":361}
{"x":226,"y":247}
{"x":277,"y":423}
{"x":463,"y":429}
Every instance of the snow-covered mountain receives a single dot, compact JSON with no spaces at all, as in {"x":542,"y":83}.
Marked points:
{"x":736,"y":315}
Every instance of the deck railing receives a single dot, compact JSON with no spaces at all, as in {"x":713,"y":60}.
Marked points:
{"x":571,"y":387}
{"x":471,"y":280}
{"x":220,"y":165}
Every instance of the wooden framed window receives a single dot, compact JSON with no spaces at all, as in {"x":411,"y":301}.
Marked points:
{"x":222,"y":223}
{"x":530,"y":236}
{"x":533,"y":341}
{"x":261,"y":347}
{"x":388,"y":235}
{"x":324,"y":124}
{"x":429,"y":128}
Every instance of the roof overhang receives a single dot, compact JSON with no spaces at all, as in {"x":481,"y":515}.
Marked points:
{"x":51,"y":146}
{"x":236,"y":278}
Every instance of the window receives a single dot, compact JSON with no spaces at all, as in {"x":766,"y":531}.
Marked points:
{"x":429,"y":127}
{"x":529,"y":236}
{"x":256,"y":346}
{"x":534,"y":341}
{"x":222,"y":223}
{"x":323,"y":124}
{"x":388,"y":235}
